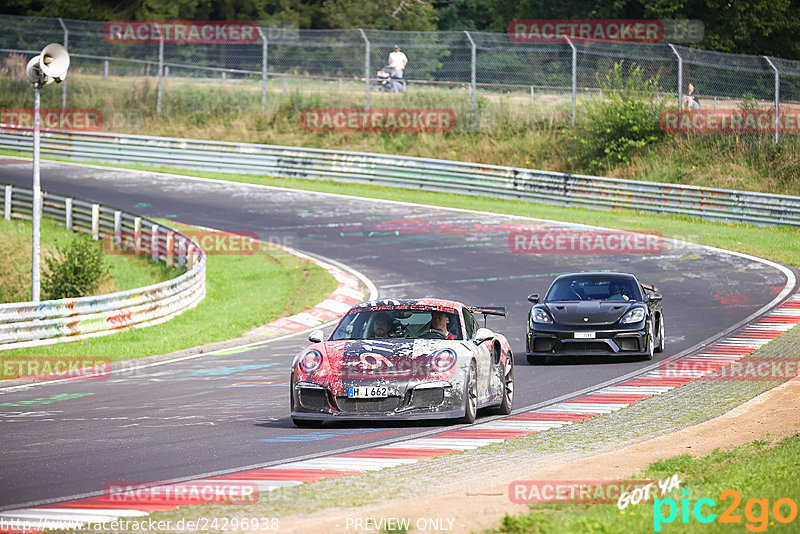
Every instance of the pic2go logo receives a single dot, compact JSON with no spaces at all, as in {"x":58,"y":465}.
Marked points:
{"x":756,"y":511}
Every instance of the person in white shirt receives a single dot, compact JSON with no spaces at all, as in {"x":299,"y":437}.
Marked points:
{"x":398,"y":62}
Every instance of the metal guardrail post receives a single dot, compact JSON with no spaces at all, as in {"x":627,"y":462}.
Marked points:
{"x":680,"y":76}
{"x":7,"y":204}
{"x":264,"y":51}
{"x":574,"y":76}
{"x":154,"y":243}
{"x":473,"y":72}
{"x":68,"y":213}
{"x":367,"y":69}
{"x":777,"y":98}
{"x":64,"y":81}
{"x":95,"y":221}
{"x":137,"y":235}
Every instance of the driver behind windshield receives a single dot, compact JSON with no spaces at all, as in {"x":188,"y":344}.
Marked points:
{"x":381,"y":326}
{"x":439,"y":320}
{"x":618,"y":292}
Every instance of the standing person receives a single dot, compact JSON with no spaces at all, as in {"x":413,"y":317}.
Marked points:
{"x":690,"y":98}
{"x":398,"y":62}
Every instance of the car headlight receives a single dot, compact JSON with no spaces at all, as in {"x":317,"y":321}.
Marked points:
{"x":636,"y":315}
{"x":310,"y":361}
{"x":442,"y":360}
{"x":540,"y":316}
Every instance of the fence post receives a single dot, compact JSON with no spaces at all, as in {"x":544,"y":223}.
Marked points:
{"x":170,"y":244}
{"x":166,"y":75}
{"x":777,"y":98}
{"x":64,"y":81}
{"x":680,"y":76}
{"x":574,"y":76}
{"x":137,"y":235}
{"x":160,"y":68}
{"x":68,"y":213}
{"x":532,"y":93}
{"x":264,"y":50}
{"x":367,"y":68}
{"x":154,"y":243}
{"x":105,"y":70}
{"x":473,"y":62}
{"x":223,"y":79}
{"x":7,"y":205}
{"x":95,"y":221}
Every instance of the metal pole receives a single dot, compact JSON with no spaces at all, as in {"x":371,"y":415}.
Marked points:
{"x":473,"y":73}
{"x":160,"y":69}
{"x":264,"y":50}
{"x":366,"y":68}
{"x":574,"y":77}
{"x":105,"y":70}
{"x":777,"y":98}
{"x":64,"y":81}
{"x":680,"y":76}
{"x":37,"y":198}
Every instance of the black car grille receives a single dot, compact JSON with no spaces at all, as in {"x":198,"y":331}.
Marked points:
{"x":427,"y":397}
{"x":586,"y":346}
{"x":313,"y":399}
{"x":388,"y":404}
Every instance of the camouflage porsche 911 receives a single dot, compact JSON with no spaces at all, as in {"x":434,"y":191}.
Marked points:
{"x":404,"y":359}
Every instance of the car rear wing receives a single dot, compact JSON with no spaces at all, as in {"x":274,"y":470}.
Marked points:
{"x":489,"y":310}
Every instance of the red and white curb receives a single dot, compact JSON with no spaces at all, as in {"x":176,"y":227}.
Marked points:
{"x":582,"y":407}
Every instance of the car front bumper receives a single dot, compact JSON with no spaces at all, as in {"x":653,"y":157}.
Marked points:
{"x":547,"y":340}
{"x":412,"y":400}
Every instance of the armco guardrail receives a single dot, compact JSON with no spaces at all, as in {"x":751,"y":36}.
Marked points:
{"x":28,"y":324}
{"x":418,"y":173}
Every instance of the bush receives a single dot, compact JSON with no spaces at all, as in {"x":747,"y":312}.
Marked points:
{"x":76,"y":269}
{"x":626,"y":120}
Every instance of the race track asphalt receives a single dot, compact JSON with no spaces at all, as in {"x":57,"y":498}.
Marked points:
{"x":196,"y":416}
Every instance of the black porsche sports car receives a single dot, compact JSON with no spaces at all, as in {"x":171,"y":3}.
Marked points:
{"x":595,"y":314}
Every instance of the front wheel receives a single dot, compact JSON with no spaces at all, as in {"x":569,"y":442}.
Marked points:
{"x":471,"y":395}
{"x":651,"y":343}
{"x":660,"y":344}
{"x":508,"y":389}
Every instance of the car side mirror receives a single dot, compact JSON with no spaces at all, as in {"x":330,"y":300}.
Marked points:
{"x":316,"y":336}
{"x":654,"y":297}
{"x":483,"y":334}
{"x":534,"y":298}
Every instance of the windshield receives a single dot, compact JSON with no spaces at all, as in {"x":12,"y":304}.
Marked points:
{"x":407,"y":323}
{"x":594,"y":288}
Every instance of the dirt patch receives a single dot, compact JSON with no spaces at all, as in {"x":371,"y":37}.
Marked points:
{"x":774,"y":414}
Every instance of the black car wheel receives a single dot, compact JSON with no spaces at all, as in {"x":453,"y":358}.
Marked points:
{"x":306,"y":423}
{"x":471,"y":395}
{"x":651,"y":343}
{"x":660,"y":345}
{"x":508,"y":389}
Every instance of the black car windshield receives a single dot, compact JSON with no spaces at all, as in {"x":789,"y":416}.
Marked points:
{"x":406,"y":323}
{"x":594,"y":288}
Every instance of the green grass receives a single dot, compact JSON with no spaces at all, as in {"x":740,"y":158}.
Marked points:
{"x":508,"y":128}
{"x":125,"y":272}
{"x":758,"y":470}
{"x":242,"y":293}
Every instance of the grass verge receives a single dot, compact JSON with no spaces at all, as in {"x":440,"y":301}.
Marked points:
{"x":761,"y":473}
{"x":125,"y":272}
{"x":242,"y":293}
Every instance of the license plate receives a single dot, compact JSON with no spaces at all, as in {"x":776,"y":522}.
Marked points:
{"x":584,"y":335}
{"x":362,"y":392}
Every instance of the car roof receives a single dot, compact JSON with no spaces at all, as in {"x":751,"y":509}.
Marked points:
{"x":428,"y":302}
{"x":620,"y":276}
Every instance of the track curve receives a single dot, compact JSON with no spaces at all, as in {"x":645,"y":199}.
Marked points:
{"x":196,"y":417}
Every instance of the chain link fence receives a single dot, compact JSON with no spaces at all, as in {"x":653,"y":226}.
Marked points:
{"x":482,"y":77}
